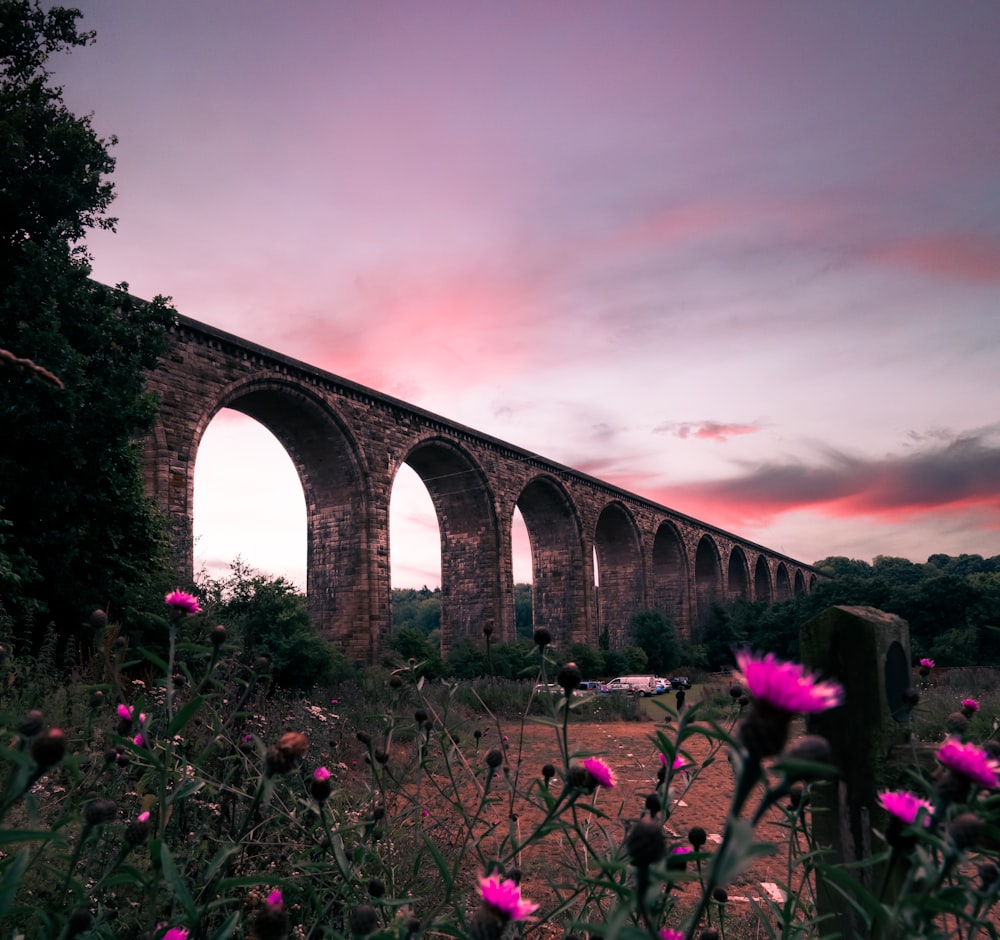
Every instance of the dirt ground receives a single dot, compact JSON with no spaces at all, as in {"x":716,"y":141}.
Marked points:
{"x":628,"y":749}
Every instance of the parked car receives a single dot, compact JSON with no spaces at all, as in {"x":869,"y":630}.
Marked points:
{"x":662,"y":685}
{"x":550,"y":688}
{"x":637,"y":685}
{"x":680,"y":682}
{"x":588,"y":685}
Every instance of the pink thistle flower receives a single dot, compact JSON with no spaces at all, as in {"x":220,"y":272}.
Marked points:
{"x":971,"y":704}
{"x":681,"y":850}
{"x":971,"y":762}
{"x":600,"y":771}
{"x":786,"y":687}
{"x":668,"y":934}
{"x":927,"y":663}
{"x":182,"y":602}
{"x":275,"y":899}
{"x":143,"y":817}
{"x":126,"y":712}
{"x":424,"y":813}
{"x":138,"y":740}
{"x":504,"y":897}
{"x":905,"y":806}
{"x":321,"y":773}
{"x":176,"y":933}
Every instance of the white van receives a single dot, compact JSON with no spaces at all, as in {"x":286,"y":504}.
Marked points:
{"x":638,"y":685}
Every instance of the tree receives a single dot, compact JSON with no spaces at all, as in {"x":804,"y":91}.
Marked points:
{"x":81,"y":533}
{"x":269,"y":616}
{"x":653,"y":631}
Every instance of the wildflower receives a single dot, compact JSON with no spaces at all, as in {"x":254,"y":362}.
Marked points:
{"x":283,"y":756}
{"x":780,"y":690}
{"x":970,"y":762}
{"x":569,"y":678}
{"x":494,"y":758}
{"x":786,"y":687}
{"x":600,"y":773}
{"x":668,"y":934}
{"x":424,"y":813}
{"x":905,"y":806}
{"x":137,"y":830}
{"x":271,"y":920}
{"x":319,"y":786}
{"x":969,"y":707}
{"x":175,"y":933}
{"x":678,"y":857}
{"x":182,"y":602}
{"x":927,"y":664}
{"x":645,"y":844}
{"x":125,"y":712}
{"x":504,"y":897}
{"x":48,"y":749}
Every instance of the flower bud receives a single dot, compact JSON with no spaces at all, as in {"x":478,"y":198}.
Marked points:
{"x":97,"y":699}
{"x":376,"y":888}
{"x":137,"y":830}
{"x":957,"y":723}
{"x":645,"y":844}
{"x":494,"y":758}
{"x":48,"y":748}
{"x":319,"y":785}
{"x":569,"y":678}
{"x":966,"y":830}
{"x":542,"y":638}
{"x":653,"y":804}
{"x":217,"y":635}
{"x":363,"y":920}
{"x":31,"y":723}
{"x":697,"y":836}
{"x":98,"y":619}
{"x":99,"y":811}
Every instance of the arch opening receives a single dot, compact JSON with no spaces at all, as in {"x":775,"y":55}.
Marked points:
{"x":708,"y":583}
{"x":670,"y":573}
{"x":619,"y":560}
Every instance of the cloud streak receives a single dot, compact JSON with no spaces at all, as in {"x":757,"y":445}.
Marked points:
{"x":957,"y":476}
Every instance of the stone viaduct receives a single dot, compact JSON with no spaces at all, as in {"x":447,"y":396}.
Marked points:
{"x":347,"y":442}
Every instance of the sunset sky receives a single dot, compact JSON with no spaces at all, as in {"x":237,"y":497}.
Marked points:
{"x":740,"y":258}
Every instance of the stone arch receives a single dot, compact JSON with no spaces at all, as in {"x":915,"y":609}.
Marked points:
{"x":782,"y":586}
{"x":761,"y":580}
{"x":559,"y":593}
{"x":799,"y":583}
{"x":812,"y":583}
{"x":707,"y":583}
{"x":738,"y":576}
{"x":670,"y":574}
{"x":338,"y":505}
{"x":619,"y":562}
{"x":471,"y":539}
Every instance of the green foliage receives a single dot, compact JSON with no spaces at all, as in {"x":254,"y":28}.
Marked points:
{"x":270,"y":617}
{"x":590,"y":661}
{"x":420,"y":610}
{"x":81,"y":533}
{"x":523,"y":616}
{"x":653,"y":632}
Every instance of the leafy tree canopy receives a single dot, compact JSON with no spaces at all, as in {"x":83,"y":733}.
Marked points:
{"x":78,"y":532}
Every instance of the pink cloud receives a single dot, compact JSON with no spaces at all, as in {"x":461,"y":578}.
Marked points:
{"x":963,"y":256}
{"x":706,"y":430}
{"x":956,"y":477}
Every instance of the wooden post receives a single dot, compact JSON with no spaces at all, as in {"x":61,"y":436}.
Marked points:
{"x":868,"y":652}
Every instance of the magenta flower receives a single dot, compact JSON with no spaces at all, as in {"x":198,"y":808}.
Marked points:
{"x":971,"y":704}
{"x":905,"y":806}
{"x":601,"y":772}
{"x":786,"y":687}
{"x":275,"y":899}
{"x":969,"y":761}
{"x":176,"y":933}
{"x":504,"y":897}
{"x":927,"y":663}
{"x":138,"y":740}
{"x":681,"y":850}
{"x":143,"y":817}
{"x":321,"y":773}
{"x":126,"y":712}
{"x":668,"y":934}
{"x":182,"y":602}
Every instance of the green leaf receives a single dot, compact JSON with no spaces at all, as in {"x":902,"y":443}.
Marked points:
{"x":11,"y":880}
{"x":173,"y":878}
{"x":185,"y":715}
{"x":13,"y":836}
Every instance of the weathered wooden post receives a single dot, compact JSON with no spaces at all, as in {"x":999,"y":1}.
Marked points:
{"x":868,"y":652}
